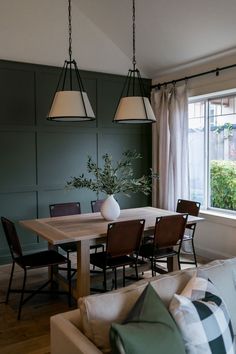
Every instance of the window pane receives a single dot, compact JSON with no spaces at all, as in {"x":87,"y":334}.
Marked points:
{"x":213,"y":150}
{"x":196,"y":152}
{"x":215,"y":107}
{"x":222,"y":157}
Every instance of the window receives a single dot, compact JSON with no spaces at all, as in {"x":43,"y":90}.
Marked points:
{"x":212,"y":151}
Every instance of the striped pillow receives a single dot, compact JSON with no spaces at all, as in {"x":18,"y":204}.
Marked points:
{"x":203,"y":319}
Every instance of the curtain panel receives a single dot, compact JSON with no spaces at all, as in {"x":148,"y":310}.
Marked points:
{"x":170,"y":146}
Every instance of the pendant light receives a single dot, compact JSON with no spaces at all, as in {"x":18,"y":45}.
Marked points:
{"x":70,"y":102}
{"x":134,"y":105}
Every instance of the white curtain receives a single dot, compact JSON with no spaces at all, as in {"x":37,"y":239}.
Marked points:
{"x":170,"y":146}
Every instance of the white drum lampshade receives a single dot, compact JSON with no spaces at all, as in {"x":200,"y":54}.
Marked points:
{"x":71,"y":106}
{"x":134,"y":109}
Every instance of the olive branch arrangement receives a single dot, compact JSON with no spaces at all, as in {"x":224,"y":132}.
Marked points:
{"x":114,"y":178}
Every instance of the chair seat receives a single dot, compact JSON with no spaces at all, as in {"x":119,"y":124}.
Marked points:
{"x":69,"y":247}
{"x":146,"y":251}
{"x":72,"y":246}
{"x":41,"y":259}
{"x":100,"y":260}
{"x":98,"y":245}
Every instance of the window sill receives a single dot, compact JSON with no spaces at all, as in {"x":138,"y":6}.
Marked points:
{"x":219,"y":218}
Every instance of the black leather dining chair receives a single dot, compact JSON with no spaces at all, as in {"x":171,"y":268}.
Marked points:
{"x":166,"y":242}
{"x":64,"y":209}
{"x":96,"y":208}
{"x":96,"y":205}
{"x":192,"y":208}
{"x":122,"y":248}
{"x":48,"y":258}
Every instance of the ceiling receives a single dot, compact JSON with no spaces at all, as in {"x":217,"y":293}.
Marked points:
{"x":169,"y":33}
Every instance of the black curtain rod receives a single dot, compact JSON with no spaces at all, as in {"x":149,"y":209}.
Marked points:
{"x":216,"y":71}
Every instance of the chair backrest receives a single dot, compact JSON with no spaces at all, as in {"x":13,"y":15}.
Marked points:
{"x":188,"y":206}
{"x":63,"y":209}
{"x":96,"y":205}
{"x":169,"y":230}
{"x":124,"y":237}
{"x":12,"y":238}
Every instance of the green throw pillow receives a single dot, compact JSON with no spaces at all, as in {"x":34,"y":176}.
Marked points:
{"x":149,"y":329}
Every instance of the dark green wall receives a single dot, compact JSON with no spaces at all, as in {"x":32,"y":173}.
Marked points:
{"x":38,"y":156}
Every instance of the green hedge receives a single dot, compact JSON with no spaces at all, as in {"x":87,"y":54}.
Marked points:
{"x":223,"y":184}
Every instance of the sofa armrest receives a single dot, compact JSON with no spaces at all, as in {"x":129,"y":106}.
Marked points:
{"x":67,"y":338}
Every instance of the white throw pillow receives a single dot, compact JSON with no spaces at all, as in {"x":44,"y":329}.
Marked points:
{"x":203,"y":319}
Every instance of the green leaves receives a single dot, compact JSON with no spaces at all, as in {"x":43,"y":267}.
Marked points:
{"x":223,"y":184}
{"x":114,"y":178}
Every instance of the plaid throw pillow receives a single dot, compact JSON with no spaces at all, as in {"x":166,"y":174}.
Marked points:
{"x":203,"y":319}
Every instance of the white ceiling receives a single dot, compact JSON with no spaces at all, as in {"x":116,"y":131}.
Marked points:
{"x":169,"y":33}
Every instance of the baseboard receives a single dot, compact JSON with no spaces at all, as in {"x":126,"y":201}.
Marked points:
{"x":211,"y":254}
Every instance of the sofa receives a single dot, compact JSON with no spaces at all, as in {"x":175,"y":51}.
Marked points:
{"x":86,"y":330}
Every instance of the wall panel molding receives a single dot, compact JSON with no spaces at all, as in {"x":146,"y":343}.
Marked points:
{"x":39,"y":156}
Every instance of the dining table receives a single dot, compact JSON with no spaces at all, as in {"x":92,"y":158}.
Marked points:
{"x":88,"y":229}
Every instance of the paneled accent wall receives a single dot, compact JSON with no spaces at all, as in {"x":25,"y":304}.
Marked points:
{"x":38,"y":156}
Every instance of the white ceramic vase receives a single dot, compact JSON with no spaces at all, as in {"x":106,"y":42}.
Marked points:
{"x":110,"y":209}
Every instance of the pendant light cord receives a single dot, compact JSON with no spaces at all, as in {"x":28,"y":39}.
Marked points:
{"x":133,"y":18}
{"x":70,"y":29}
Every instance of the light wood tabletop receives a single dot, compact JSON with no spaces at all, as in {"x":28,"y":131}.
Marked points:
{"x":86,"y":229}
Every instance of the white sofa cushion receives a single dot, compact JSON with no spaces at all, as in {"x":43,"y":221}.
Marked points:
{"x":99,"y":311}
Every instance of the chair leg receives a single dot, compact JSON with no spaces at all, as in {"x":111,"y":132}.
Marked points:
{"x":123,"y":276}
{"x":51,"y":274}
{"x":10,"y":281}
{"x":194,"y":254}
{"x":136,"y":270}
{"x":53,"y":284}
{"x":22,"y":295}
{"x":152,"y":267}
{"x":69,"y":282}
{"x":68,"y":259}
{"x":105,"y":279}
{"x":115,"y":272}
{"x":178,"y":257}
{"x":95,"y":252}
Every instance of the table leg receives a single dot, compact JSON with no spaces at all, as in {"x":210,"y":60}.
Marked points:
{"x":55,"y":268}
{"x":172,"y":264}
{"x":83,"y":269}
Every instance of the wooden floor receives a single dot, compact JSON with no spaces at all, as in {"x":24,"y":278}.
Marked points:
{"x":31,"y":333}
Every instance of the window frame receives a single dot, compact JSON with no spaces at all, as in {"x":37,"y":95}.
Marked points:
{"x":206,"y":99}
